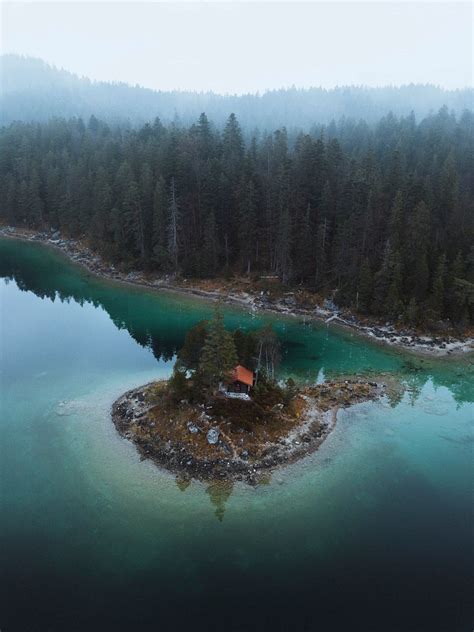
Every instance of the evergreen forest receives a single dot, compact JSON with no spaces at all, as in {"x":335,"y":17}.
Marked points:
{"x":378,"y":217}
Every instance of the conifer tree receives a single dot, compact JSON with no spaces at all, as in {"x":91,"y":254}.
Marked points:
{"x":364,"y":287}
{"x":209,"y":251}
{"x":397,"y":220}
{"x":132,"y":215}
{"x":248,"y":225}
{"x":145,"y":212}
{"x":416,"y":251}
{"x":219,"y":355}
{"x":160,"y":223}
{"x":283,"y":244}
{"x":189,"y":355}
{"x":382,"y":280}
{"x":412,"y":313}
{"x":393,"y":302}
{"x":464,"y":293}
{"x":232,"y":146}
{"x":304,"y":251}
{"x":205,"y":138}
{"x":438,"y":290}
{"x":102,"y":205}
{"x":321,"y":254}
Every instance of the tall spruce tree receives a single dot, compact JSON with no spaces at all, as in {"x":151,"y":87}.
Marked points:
{"x":438,"y":289}
{"x":218,"y":355}
{"x":248,"y":225}
{"x":160,"y":224}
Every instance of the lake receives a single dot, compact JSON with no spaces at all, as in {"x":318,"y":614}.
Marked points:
{"x":372,"y":532}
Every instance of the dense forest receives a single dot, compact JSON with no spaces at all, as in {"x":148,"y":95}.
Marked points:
{"x":380,"y":218}
{"x":32,"y":90}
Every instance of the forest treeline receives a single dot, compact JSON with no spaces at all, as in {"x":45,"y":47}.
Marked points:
{"x":32,"y":90}
{"x":381,"y":218}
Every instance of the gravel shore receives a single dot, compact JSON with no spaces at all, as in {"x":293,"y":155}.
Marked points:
{"x":254,"y":301}
{"x":195,"y":442}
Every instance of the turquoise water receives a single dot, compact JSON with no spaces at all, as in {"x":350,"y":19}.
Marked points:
{"x":373,"y":532}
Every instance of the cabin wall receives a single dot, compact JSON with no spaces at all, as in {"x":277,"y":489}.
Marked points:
{"x":238,"y":387}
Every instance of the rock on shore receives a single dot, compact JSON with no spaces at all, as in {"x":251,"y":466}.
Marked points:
{"x":288,"y":304}
{"x":197,"y":441}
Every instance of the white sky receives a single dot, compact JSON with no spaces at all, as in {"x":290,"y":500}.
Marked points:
{"x":240,"y":47}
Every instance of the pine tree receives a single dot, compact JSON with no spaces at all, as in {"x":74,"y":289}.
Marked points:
{"x":412,"y":312}
{"x":209,"y":251}
{"x":321,"y":254}
{"x":464,"y":292}
{"x":304,"y":247}
{"x":248,"y":225}
{"x":102,"y":204}
{"x":205,"y":138}
{"x":232,"y":166}
{"x":382,"y":281}
{"x":397,"y":220}
{"x":190,"y":354}
{"x":35,"y":203}
{"x":283,"y":244}
{"x":23,"y":202}
{"x":145,"y":210}
{"x":438,"y":289}
{"x":416,"y":252}
{"x":219,"y":355}
{"x":369,"y":225}
{"x":393,"y":301}
{"x":160,"y":223}
{"x":232,"y":145}
{"x":422,"y":277}
{"x":364,"y":287}
{"x":123,"y":214}
{"x":133,"y":216}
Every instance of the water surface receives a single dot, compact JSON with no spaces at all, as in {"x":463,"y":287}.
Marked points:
{"x":373,"y":532}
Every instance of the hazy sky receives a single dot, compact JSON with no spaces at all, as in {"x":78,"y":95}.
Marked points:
{"x":239,"y":47}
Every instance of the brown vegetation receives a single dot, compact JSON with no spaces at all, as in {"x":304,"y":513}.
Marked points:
{"x":252,"y":435}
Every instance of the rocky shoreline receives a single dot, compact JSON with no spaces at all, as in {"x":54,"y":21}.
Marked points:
{"x":204,"y":448}
{"x":288,"y":304}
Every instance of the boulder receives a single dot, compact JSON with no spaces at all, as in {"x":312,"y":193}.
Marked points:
{"x":213,"y":436}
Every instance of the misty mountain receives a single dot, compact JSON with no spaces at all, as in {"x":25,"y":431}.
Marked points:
{"x":32,"y":90}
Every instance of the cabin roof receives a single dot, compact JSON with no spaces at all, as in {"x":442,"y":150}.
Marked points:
{"x":241,"y":374}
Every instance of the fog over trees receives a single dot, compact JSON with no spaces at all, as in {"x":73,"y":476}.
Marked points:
{"x":31,"y":90}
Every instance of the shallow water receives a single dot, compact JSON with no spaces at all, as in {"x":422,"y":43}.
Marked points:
{"x":372,"y":532}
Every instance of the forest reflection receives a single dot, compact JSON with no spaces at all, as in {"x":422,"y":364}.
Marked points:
{"x":162,"y":331}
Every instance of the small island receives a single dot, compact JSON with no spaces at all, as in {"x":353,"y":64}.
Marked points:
{"x":224,"y":416}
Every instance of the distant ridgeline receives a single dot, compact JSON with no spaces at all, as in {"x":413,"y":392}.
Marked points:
{"x":383,"y":214}
{"x":32,"y":90}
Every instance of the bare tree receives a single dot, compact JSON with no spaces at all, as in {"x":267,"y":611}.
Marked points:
{"x":173,"y":227}
{"x":269,"y":352}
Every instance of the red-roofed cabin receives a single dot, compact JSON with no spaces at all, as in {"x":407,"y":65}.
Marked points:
{"x":240,"y":380}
